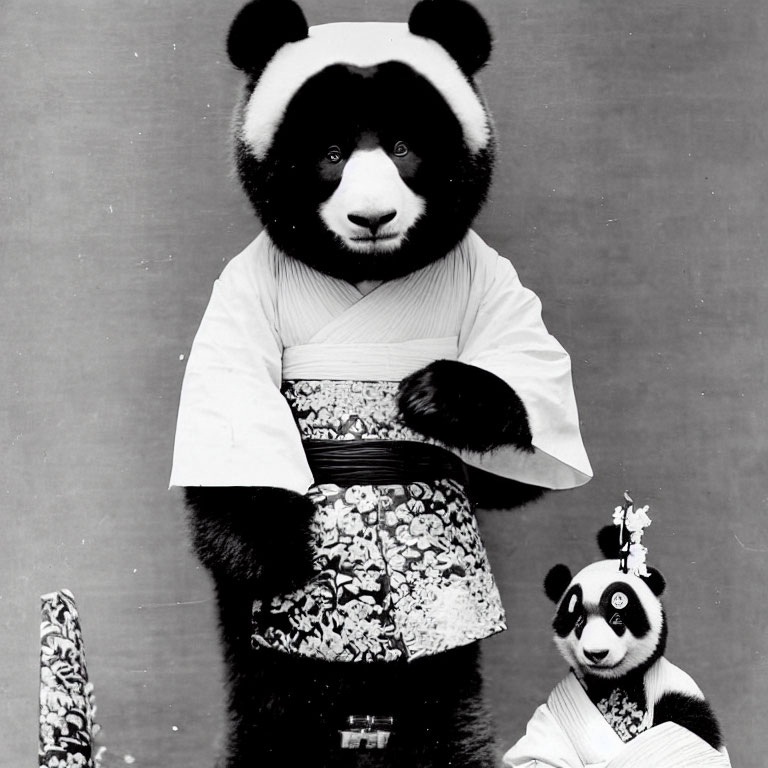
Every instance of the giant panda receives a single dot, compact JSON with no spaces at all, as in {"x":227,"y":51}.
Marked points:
{"x":611,"y":628}
{"x":355,"y":363}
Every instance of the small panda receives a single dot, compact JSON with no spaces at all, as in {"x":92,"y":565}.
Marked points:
{"x":611,"y":628}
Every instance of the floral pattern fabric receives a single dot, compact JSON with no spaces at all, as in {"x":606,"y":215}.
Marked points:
{"x":347,"y":410}
{"x":401,"y":572}
{"x":66,"y":697}
{"x":623,"y":714}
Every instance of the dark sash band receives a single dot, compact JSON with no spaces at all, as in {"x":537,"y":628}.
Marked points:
{"x":380,"y":462}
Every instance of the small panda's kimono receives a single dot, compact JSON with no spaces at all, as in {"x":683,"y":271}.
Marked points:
{"x":287,"y":359}
{"x":569,"y":731}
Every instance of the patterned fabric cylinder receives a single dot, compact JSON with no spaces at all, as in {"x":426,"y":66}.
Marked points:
{"x":67,"y":727}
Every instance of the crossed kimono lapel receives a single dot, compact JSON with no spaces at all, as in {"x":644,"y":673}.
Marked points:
{"x":592,"y":738}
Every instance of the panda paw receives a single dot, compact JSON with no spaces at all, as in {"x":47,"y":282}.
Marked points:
{"x":464,"y":407}
{"x":256,"y":537}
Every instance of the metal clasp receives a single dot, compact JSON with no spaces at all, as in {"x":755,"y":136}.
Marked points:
{"x":367,"y":732}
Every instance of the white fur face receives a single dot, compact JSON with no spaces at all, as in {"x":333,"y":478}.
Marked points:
{"x":607,"y":623}
{"x":372,"y":209}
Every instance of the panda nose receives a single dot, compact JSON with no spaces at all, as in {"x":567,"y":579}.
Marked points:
{"x":596,"y":656}
{"x":371,"y":221}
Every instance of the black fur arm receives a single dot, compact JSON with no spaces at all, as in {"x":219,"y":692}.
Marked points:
{"x":491,"y":491}
{"x":257,"y":537}
{"x":464,"y":406}
{"x":690,"y":712}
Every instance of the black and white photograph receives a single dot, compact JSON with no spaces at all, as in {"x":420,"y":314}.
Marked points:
{"x":385,"y":383}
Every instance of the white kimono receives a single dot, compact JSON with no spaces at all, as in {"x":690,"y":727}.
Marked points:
{"x":570,"y":732}
{"x":272,"y":318}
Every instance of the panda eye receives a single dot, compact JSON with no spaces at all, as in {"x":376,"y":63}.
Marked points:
{"x":400,"y":149}
{"x":580,"y":621}
{"x":333,"y":155}
{"x":616,"y":621}
{"x":619,"y":601}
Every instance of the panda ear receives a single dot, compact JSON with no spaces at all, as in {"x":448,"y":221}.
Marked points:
{"x":655,"y":581}
{"x":458,"y":27}
{"x":260,"y":29}
{"x":557,"y":581}
{"x":608,"y":541}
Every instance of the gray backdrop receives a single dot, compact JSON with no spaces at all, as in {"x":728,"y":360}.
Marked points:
{"x":631,"y":195}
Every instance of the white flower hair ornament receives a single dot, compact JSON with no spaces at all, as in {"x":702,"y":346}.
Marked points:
{"x":632,"y":522}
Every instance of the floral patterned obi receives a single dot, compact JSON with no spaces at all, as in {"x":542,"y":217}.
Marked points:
{"x":400,"y":569}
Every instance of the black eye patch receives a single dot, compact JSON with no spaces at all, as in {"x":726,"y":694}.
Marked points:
{"x":570,"y":612}
{"x":622,"y":609}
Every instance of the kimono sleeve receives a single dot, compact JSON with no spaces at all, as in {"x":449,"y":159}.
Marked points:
{"x":505,"y":334}
{"x":544,"y":744}
{"x":234,"y":427}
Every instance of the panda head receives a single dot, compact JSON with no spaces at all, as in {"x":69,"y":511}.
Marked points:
{"x":364,"y":148}
{"x":608,"y":624}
